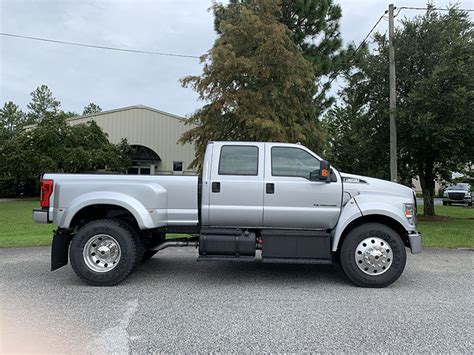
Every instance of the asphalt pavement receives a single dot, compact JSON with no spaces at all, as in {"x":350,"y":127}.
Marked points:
{"x":174,"y":304}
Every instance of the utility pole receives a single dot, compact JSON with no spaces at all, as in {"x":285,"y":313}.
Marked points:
{"x":393,"y":96}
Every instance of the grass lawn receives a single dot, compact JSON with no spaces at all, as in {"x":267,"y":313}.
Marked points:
{"x":17,"y":228}
{"x":454,"y":230}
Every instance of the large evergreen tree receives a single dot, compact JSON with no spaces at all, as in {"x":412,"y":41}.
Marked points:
{"x":257,"y":84}
{"x":314,"y":26}
{"x":435,"y":103}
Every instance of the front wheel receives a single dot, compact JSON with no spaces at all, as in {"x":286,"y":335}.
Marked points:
{"x":373,"y":255}
{"x":104,"y":252}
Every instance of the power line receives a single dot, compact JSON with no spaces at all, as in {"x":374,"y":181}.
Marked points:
{"x":334,"y":76}
{"x":432,"y":9}
{"x":98,"y":47}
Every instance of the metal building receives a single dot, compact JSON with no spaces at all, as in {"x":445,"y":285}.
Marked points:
{"x":153,"y":135}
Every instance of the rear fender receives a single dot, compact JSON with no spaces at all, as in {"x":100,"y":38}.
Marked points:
{"x":139,"y":212}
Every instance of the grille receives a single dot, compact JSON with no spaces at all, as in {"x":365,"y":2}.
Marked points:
{"x":456,"y":195}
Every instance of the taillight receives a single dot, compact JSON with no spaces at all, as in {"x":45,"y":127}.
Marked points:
{"x":46,"y":191}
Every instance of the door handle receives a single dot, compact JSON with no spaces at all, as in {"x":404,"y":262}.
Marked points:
{"x":216,"y":187}
{"x":270,"y":188}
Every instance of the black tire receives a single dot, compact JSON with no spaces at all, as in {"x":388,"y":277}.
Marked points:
{"x":445,"y":203}
{"x":121,"y":232}
{"x":349,"y":248}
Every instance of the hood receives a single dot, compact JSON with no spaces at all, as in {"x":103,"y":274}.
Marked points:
{"x":466,"y":191}
{"x":357,"y":185}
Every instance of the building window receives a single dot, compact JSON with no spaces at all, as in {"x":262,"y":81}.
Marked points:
{"x":238,"y":160}
{"x":177,"y":166}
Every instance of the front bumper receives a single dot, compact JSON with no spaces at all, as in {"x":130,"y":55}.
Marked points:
{"x":40,"y":215}
{"x":452,"y":200}
{"x":415,"y":242}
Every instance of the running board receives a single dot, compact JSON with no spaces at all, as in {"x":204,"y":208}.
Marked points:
{"x":296,"y":261}
{"x":226,"y":258}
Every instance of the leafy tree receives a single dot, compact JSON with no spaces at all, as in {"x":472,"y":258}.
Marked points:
{"x":257,"y":84}
{"x":12,"y":119}
{"x":55,"y":146}
{"x":42,"y":102}
{"x":314,"y":26}
{"x":435,"y":101}
{"x":91,"y":108}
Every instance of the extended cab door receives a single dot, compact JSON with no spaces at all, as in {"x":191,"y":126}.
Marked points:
{"x":235,"y":185}
{"x":291,"y":199}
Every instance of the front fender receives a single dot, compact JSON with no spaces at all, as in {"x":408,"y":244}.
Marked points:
{"x":389,"y":206}
{"x":141,"y":214}
{"x":350,"y":213}
{"x":362,"y":206}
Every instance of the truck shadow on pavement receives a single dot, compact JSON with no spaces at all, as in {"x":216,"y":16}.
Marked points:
{"x":159,"y":269}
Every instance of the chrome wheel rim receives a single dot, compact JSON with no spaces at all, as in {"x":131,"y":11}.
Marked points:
{"x":101,"y":253}
{"x":373,"y":256}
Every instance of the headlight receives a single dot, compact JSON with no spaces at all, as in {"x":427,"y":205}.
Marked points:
{"x":445,"y":194}
{"x":410,"y":213}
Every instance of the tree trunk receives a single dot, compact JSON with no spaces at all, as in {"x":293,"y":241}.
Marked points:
{"x":428,"y":189}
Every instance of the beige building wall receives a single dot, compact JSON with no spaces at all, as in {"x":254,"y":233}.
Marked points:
{"x":146,"y":126}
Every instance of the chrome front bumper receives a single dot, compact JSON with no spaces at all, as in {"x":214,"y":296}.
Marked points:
{"x":415,"y":242}
{"x":40,"y":215}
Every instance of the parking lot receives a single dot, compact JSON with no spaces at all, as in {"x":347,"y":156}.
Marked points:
{"x":172,"y":303}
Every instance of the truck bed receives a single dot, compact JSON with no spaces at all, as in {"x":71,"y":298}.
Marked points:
{"x":155,"y":200}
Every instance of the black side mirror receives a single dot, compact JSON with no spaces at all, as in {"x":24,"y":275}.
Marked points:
{"x":324,"y":171}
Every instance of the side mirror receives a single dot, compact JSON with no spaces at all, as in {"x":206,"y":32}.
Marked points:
{"x":324,"y":171}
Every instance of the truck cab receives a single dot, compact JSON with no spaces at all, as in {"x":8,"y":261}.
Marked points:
{"x":255,"y":201}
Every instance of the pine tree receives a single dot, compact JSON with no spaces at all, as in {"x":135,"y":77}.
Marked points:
{"x":257,"y":84}
{"x":42,"y":102}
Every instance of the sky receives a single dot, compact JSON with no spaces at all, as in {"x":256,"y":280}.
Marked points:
{"x":78,"y":76}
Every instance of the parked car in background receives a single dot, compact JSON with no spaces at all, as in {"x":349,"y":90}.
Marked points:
{"x":460,"y":193}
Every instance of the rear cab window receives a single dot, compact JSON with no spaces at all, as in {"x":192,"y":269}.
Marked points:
{"x":238,"y":160}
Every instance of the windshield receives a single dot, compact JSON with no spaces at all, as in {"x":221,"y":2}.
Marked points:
{"x":462,"y":187}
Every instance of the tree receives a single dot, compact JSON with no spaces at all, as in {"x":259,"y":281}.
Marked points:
{"x":257,"y":84}
{"x":12,"y":119}
{"x":314,"y":26}
{"x":435,"y":93}
{"x":91,"y":108}
{"x":42,"y":102}
{"x":55,"y":146}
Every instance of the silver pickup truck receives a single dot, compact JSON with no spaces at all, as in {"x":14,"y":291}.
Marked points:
{"x":268,"y":202}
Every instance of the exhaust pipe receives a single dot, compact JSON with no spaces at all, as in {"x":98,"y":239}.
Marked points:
{"x":177,"y":242}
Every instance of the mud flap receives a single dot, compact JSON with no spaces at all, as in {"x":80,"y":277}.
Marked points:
{"x":59,"y":249}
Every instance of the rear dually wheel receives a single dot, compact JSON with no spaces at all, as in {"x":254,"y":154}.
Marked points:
{"x":104,"y":252}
